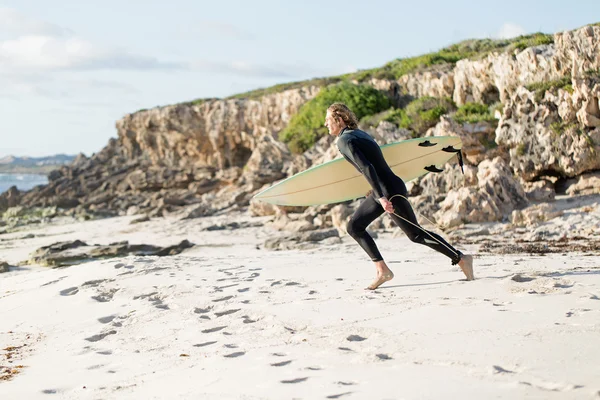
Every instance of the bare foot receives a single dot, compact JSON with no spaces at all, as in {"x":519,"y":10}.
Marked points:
{"x":466,"y":265}
{"x":380,"y":280}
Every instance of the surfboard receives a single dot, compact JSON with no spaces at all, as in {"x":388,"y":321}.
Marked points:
{"x":337,"y":180}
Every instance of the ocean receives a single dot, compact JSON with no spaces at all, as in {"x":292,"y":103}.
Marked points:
{"x":21,"y":181}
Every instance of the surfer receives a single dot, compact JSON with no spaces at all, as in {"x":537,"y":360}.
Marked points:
{"x":388,"y":194}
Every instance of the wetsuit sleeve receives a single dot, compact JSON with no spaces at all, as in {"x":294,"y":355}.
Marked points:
{"x":365,"y":167}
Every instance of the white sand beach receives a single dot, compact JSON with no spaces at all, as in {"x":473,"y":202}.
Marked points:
{"x":228,"y":319}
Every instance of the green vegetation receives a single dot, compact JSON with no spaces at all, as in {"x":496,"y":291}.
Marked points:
{"x":471,"y":49}
{"x":321,"y":82}
{"x":475,"y":112}
{"x":421,"y":114}
{"x":306,"y":127}
{"x":559,"y":127}
{"x":521,"y":149}
{"x":540,"y":88}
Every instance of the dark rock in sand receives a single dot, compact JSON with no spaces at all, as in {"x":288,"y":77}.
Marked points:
{"x":3,"y":266}
{"x":75,"y":252}
{"x":303,"y":240}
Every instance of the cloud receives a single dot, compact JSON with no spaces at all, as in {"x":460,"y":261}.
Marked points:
{"x":38,"y":52}
{"x":510,"y":30}
{"x":37,"y":45}
{"x":12,"y":21}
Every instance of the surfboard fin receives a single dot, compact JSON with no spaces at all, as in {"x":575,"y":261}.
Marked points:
{"x":427,"y":143}
{"x":433,"y":168}
{"x":451,"y":149}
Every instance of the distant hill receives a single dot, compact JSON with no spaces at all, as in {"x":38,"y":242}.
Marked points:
{"x":33,"y":165}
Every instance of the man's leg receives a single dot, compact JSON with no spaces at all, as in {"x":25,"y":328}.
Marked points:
{"x":368,"y":211}
{"x":407,"y":221}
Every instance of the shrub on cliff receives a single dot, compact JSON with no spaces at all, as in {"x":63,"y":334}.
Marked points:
{"x":540,"y":88}
{"x":473,"y":113}
{"x":306,"y":127}
{"x":471,"y":49}
{"x":421,"y":114}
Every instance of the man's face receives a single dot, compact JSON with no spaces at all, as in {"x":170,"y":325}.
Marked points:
{"x":334,"y":125}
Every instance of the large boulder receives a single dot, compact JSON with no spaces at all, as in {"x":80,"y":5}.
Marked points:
{"x":497,"y":194}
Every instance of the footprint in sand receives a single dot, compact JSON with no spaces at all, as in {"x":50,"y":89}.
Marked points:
{"x":231,"y":346}
{"x":337,"y":396}
{"x":496,"y":369}
{"x":278,"y":354}
{"x":107,"y":319}
{"x":220,"y":288}
{"x":100,"y":336}
{"x":211,"y":330}
{"x":198,"y":310}
{"x":297,"y":380}
{"x":235,"y":355}
{"x":223,"y":299}
{"x":247,"y":320}
{"x":96,"y":283}
{"x":105,"y":352}
{"x":53,"y":282}
{"x":228,"y":312}
{"x":243,"y":290}
{"x":345,"y":349}
{"x":383,"y":356}
{"x":355,"y":338}
{"x":144,"y":296}
{"x":281,"y":364}
{"x":70,"y":291}
{"x":204,"y":344}
{"x":106,"y":296}
{"x":49,"y":391}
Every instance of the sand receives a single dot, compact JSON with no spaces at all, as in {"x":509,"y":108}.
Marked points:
{"x":228,"y":319}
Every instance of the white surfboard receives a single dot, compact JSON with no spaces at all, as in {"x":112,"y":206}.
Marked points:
{"x":337,"y":180}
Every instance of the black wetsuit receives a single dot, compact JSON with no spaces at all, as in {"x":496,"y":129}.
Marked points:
{"x":361,"y":150}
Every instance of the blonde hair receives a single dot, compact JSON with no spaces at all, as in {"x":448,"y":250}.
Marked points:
{"x":340,"y":110}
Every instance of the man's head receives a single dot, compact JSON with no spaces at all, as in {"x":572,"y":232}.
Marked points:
{"x":338,"y":117}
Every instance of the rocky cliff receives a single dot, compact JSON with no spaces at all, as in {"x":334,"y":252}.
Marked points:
{"x":203,"y":158}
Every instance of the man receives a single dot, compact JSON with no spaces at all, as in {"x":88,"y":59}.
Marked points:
{"x":388,"y":194}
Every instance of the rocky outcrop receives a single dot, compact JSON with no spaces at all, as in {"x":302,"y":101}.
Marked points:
{"x":197,"y":159}
{"x":496,"y":195}
{"x":541,"y":142}
{"x":75,"y":252}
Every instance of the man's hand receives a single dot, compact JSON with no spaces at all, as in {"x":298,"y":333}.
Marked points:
{"x":386,"y":204}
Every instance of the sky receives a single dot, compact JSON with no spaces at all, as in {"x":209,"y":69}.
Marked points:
{"x":69,"y":69}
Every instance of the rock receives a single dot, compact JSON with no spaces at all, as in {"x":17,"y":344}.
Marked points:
{"x":76,"y":252}
{"x":497,"y":195}
{"x":584,"y":184}
{"x":139,"y":220}
{"x":539,"y":191}
{"x":436,"y":83}
{"x":540,"y":141}
{"x":266,"y":162}
{"x":478,"y":140}
{"x":173,"y":250}
{"x":195,"y":211}
{"x":9,"y":198}
{"x":534,"y":215}
{"x":302,"y":240}
{"x":291,"y":223}
{"x":4,"y":267}
{"x":386,"y":132}
{"x":340,"y":215}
